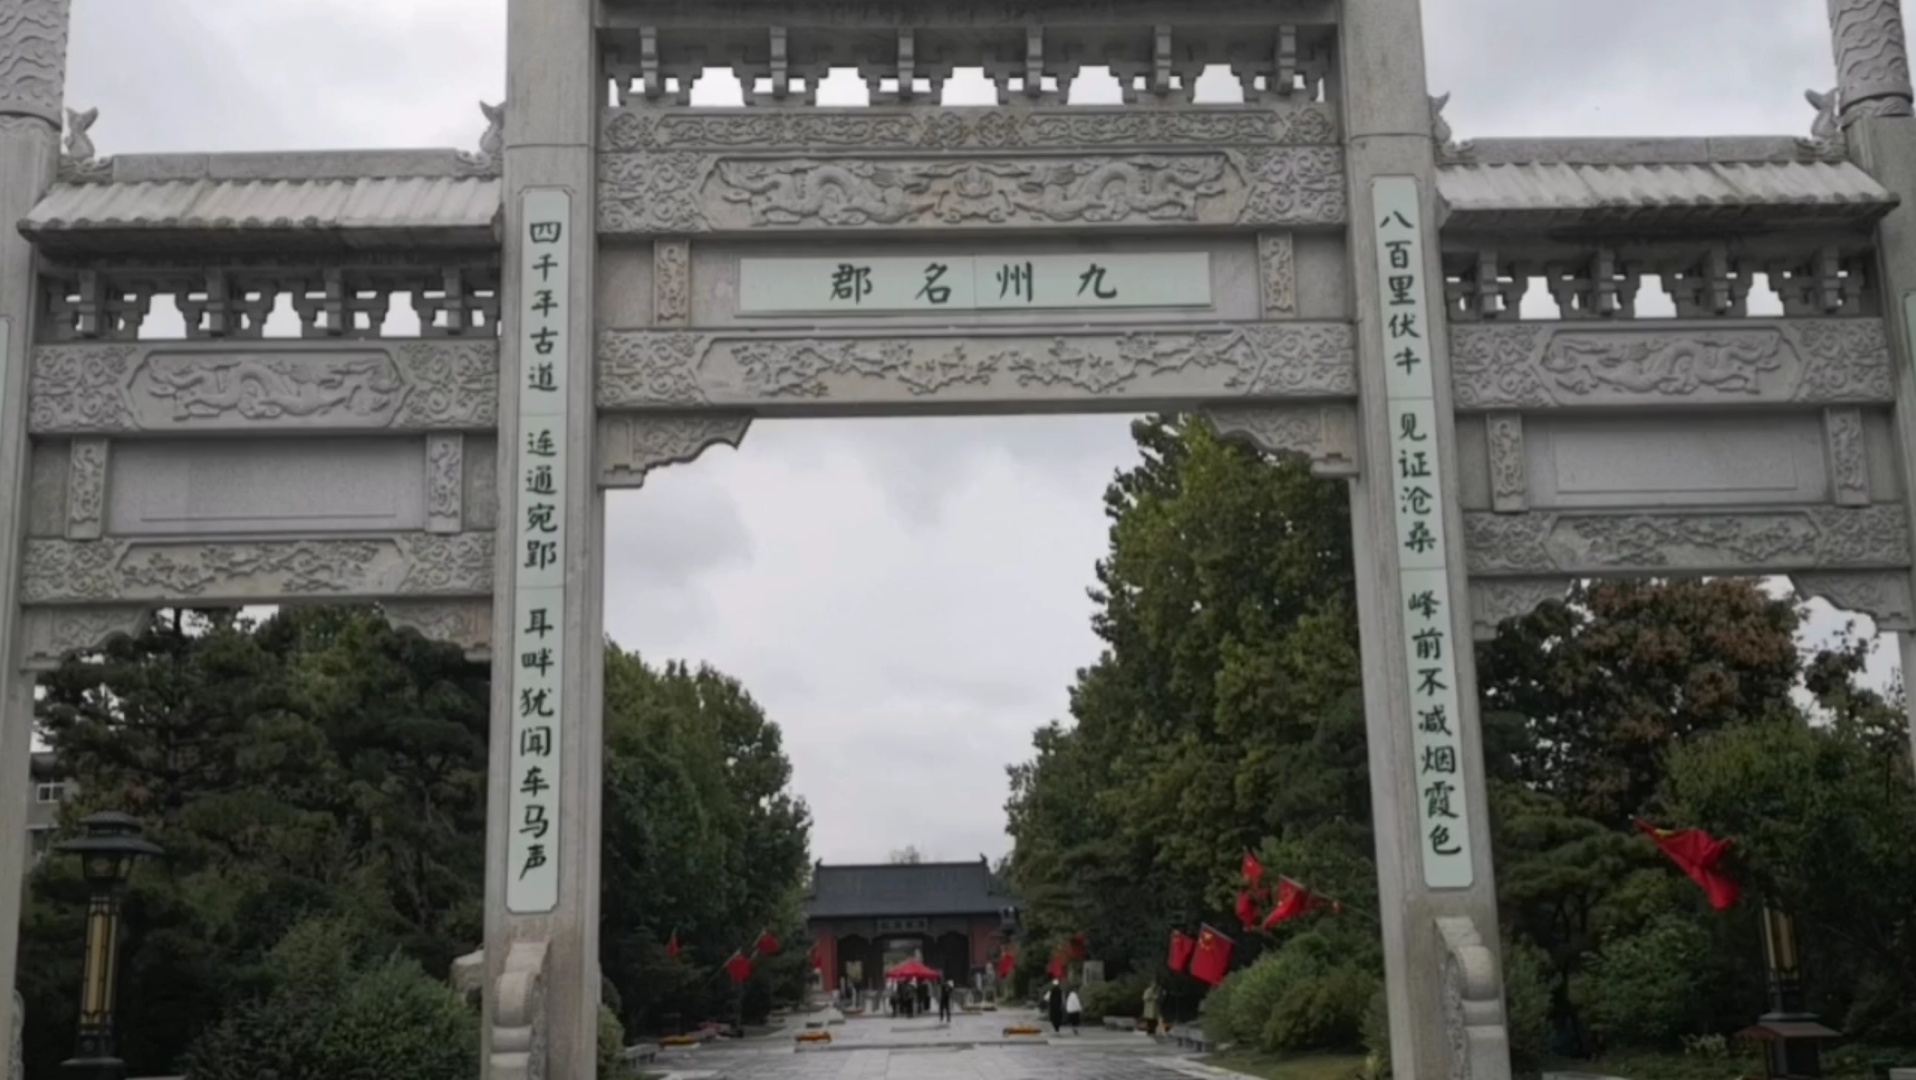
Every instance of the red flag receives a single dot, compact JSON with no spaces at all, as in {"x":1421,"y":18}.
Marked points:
{"x":1007,"y":962}
{"x":1182,"y":945}
{"x":1212,"y":957}
{"x":1253,"y":870}
{"x":766,"y":944}
{"x":738,"y":967}
{"x":1698,"y":854}
{"x":1292,"y":900}
{"x":818,"y":955}
{"x":1077,"y":947}
{"x":1246,"y":909}
{"x":672,"y":946}
{"x":1056,"y":968}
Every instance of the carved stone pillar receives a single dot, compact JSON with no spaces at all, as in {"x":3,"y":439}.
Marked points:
{"x":542,"y":818}
{"x":1872,"y":58}
{"x":33,"y":46}
{"x":1429,"y":803}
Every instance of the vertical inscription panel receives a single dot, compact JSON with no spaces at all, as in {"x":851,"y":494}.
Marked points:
{"x":539,"y":605}
{"x":1423,"y":561}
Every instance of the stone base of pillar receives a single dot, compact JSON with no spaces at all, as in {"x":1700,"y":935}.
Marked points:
{"x":516,"y":1044}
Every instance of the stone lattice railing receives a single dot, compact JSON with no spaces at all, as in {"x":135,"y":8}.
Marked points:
{"x":518,"y":1046}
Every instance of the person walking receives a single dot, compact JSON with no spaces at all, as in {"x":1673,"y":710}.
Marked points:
{"x":1054,"y":1005}
{"x":1153,"y":995}
{"x":944,"y":1001}
{"x":1073,"y":1011}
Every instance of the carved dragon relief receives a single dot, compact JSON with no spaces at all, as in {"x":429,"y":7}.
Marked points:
{"x":52,"y":634}
{"x":680,"y":370}
{"x":1078,"y":127}
{"x":124,"y":387}
{"x":114,"y":570}
{"x":518,"y":1042}
{"x":1800,"y":361}
{"x":1473,"y":1003}
{"x":465,"y":623}
{"x":630,"y":446}
{"x":1823,"y":538}
{"x":680,"y":192}
{"x":1326,"y":434}
{"x":1884,"y":596}
{"x":1494,"y":601}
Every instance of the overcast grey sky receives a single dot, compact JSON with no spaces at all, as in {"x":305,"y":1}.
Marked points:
{"x":907,"y":599}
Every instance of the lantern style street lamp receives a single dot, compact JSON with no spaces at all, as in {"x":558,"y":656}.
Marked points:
{"x":107,"y":852}
{"x":1790,"y":1035}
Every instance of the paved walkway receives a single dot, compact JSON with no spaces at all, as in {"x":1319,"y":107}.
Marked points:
{"x":971,"y":1047}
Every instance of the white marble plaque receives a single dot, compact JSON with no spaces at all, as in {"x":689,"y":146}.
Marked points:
{"x":1443,"y":813}
{"x":854,"y":284}
{"x":539,"y":615}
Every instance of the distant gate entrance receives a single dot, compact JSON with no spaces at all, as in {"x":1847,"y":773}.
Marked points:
{"x":867,"y":919}
{"x":618,"y":280}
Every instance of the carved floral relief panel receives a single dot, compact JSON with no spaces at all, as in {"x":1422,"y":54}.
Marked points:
{"x":126,"y":387}
{"x":685,"y":192}
{"x":649,"y":130}
{"x":1685,"y":364}
{"x":115,"y":570}
{"x":650,"y":369}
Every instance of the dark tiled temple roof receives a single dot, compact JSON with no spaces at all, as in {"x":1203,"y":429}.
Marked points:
{"x":905,"y":889}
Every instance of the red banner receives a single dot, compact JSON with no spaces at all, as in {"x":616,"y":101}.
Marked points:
{"x":1182,"y":946}
{"x":1212,"y":958}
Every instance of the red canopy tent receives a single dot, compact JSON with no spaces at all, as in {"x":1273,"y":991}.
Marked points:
{"x":911,"y":970}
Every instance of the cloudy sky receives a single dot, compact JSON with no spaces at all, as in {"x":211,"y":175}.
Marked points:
{"x":906,"y":598}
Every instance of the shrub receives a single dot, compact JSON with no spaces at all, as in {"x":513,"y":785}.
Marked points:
{"x":1322,"y":1012}
{"x":1119,"y":997}
{"x":1527,"y":1006}
{"x":1645,"y":989}
{"x":612,"y":1064}
{"x":1377,"y":1036}
{"x":1214,"y":1012}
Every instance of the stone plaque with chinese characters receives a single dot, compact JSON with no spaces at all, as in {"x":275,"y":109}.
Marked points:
{"x":532,"y":872}
{"x":1424,"y":581}
{"x":973,"y":283}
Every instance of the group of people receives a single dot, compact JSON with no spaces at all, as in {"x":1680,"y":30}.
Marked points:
{"x":915,"y":999}
{"x":1063,"y":1007}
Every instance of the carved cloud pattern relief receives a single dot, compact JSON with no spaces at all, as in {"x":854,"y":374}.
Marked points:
{"x":655,"y":369}
{"x":1811,"y":538}
{"x":632,"y":446}
{"x":99,"y":571}
{"x":1805,"y":361}
{"x":33,"y":48}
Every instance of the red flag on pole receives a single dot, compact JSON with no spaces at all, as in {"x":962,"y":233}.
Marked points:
{"x":766,"y":944}
{"x":1056,"y":968}
{"x":1212,"y":957}
{"x":1247,"y":909}
{"x":1253,"y":870}
{"x":738,"y":967}
{"x":1077,"y":947}
{"x":818,"y":955}
{"x":1007,"y":962}
{"x":1182,"y":945}
{"x":1293,"y":900}
{"x":1698,"y":854}
{"x":672,"y":946}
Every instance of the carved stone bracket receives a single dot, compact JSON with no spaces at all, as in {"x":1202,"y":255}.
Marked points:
{"x":1277,"y":266}
{"x":1327,"y":434}
{"x":1473,"y":1003}
{"x":1677,"y":364}
{"x":1884,"y":596}
{"x":672,"y":282}
{"x":1872,"y":58}
{"x":518,"y":1044}
{"x":1848,"y":455}
{"x":33,"y":52}
{"x":465,"y":623}
{"x":445,"y":483}
{"x":1496,"y":600}
{"x":681,"y":370}
{"x":630,"y":446}
{"x":1695,"y":543}
{"x":86,"y":488}
{"x":256,"y":571}
{"x":204,"y":387}
{"x":678,"y":192}
{"x":1503,"y":438}
{"x":52,"y":634}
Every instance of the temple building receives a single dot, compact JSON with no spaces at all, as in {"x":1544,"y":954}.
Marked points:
{"x":866,"y":919}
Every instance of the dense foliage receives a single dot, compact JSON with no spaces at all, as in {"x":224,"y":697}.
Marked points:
{"x":1224,"y":714}
{"x":318,"y":782}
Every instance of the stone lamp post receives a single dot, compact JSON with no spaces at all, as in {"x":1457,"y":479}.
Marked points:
{"x":108,"y":850}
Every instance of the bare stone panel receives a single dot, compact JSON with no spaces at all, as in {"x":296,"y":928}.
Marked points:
{"x":209,"y":487}
{"x":1005,"y":371}
{"x":1597,"y":461}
